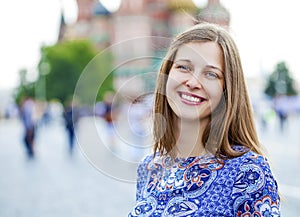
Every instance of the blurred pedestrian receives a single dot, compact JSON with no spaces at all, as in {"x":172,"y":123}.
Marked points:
{"x":281,"y":107}
{"x":109,"y":116}
{"x":27,"y":114}
{"x":207,"y":159}
{"x":46,"y":116}
{"x":108,"y":112}
{"x":282,"y":115}
{"x":71,"y":116}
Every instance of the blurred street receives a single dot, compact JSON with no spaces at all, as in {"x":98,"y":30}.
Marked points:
{"x":283,"y":148}
{"x":56,"y":184}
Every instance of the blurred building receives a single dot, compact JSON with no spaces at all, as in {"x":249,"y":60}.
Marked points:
{"x":139,"y":32}
{"x":215,"y":12}
{"x":93,"y":23}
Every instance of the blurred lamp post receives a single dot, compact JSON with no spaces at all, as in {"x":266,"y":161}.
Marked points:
{"x":40,"y":88}
{"x":111,"y":5}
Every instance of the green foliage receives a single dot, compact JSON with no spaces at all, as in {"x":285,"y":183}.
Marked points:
{"x":25,"y":88}
{"x":96,"y":79}
{"x":280,"y":82}
{"x":107,"y":86}
{"x":61,"y":66}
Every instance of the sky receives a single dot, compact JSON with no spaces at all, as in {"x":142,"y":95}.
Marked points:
{"x":265,"y":32}
{"x":26,"y":26}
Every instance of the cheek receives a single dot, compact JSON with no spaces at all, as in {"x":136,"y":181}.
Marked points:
{"x":172,"y":83}
{"x":219,"y":97}
{"x":176,"y":77}
{"x":215,"y":92}
{"x":171,"y":92}
{"x":169,"y":87}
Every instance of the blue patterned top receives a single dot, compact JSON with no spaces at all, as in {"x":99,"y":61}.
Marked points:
{"x":204,"y":186}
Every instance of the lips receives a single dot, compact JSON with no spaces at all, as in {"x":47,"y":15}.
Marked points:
{"x":191,"y":99}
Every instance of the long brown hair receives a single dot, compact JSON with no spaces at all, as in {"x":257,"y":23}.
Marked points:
{"x":231,"y":122}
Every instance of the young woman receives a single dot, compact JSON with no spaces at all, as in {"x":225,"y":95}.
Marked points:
{"x":207,"y":158}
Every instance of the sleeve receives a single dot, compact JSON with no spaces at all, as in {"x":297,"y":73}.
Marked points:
{"x":142,"y":175}
{"x":255,"y":191}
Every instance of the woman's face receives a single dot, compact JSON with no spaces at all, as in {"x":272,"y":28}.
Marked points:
{"x":196,"y":80}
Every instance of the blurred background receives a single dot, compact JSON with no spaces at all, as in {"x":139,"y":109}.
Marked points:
{"x":75,"y":95}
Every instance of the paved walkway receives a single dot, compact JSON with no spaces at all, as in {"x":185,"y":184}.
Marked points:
{"x":55,"y":184}
{"x":284,"y":155}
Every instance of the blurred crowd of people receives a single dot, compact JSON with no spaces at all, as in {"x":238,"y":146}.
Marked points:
{"x":126,"y":117}
{"x":277,"y":110}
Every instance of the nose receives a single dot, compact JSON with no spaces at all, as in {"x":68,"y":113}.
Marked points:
{"x":193,"y":82}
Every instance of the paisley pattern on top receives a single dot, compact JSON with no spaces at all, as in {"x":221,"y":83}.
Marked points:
{"x":205,"y":186}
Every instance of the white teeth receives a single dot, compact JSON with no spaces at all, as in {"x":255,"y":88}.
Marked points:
{"x":190,"y":98}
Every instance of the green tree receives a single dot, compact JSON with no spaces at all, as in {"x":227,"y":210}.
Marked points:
{"x":25,"y":88}
{"x":61,"y":66}
{"x":280,"y":82}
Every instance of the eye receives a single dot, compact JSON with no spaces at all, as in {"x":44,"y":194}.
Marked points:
{"x":211,"y":75}
{"x":183,"y":68}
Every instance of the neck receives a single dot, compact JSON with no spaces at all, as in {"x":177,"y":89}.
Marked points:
{"x":189,"y":142}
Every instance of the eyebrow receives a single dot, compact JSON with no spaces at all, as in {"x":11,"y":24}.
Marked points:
{"x":207,"y":66}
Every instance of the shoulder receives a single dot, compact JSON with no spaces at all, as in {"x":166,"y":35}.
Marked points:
{"x":142,"y":175}
{"x":249,"y":159}
{"x":145,"y":161}
{"x":254,"y":171}
{"x":143,"y":167}
{"x":255,"y":187}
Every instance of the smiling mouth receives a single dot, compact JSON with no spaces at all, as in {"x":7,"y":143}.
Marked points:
{"x":191,"y":98}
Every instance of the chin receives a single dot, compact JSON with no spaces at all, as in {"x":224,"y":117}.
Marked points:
{"x":193,"y":118}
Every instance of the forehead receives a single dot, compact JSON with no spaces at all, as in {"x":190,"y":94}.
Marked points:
{"x":209,"y":53}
